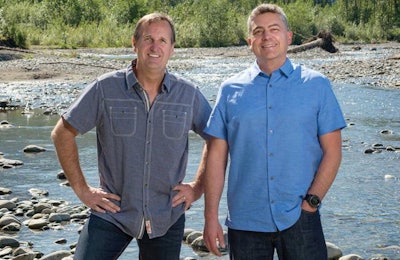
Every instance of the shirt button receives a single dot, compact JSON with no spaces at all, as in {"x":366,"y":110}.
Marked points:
{"x":272,"y":178}
{"x":271,"y":131}
{"x":270,"y":154}
{"x":272,"y":201}
{"x":269,"y":107}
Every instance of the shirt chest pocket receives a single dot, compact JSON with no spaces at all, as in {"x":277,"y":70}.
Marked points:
{"x":174,"y":123}
{"x":123,"y":120}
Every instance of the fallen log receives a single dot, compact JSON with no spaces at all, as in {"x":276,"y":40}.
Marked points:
{"x":15,"y":49}
{"x":395,"y":57}
{"x":80,"y":64}
{"x":324,"y":40}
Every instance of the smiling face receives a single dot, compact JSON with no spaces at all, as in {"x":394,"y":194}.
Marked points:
{"x":269,"y":40}
{"x":154,"y":46}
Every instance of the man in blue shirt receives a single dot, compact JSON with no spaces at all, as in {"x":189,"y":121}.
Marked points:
{"x":143,"y":116}
{"x":280,"y":124}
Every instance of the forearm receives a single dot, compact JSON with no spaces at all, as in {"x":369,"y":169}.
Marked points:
{"x":198,"y":182}
{"x":68,"y":156}
{"x":329,"y":166}
{"x":215,"y":178}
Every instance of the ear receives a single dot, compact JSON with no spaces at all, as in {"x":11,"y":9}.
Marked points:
{"x":249,"y":41}
{"x":172,"y":50}
{"x":289,"y":37}
{"x":133,"y":43}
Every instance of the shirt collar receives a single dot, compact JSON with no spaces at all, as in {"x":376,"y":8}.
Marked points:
{"x":132,"y":81}
{"x":286,"y":69}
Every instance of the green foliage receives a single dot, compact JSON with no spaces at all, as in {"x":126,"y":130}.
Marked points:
{"x":218,"y":24}
{"x":301,"y":16}
{"x":12,"y":33}
{"x":211,"y":23}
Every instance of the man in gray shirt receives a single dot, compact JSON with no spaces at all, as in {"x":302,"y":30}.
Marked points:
{"x":142,"y":115}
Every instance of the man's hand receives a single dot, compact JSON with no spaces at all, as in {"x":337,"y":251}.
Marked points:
{"x":187,"y":193}
{"x":99,"y":200}
{"x":214,"y":237}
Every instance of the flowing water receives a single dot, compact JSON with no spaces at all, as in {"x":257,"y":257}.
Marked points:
{"x":360,"y":214}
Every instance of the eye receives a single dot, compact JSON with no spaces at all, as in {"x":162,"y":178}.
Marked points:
{"x":257,"y":32}
{"x":275,"y":29}
{"x":147,"y":39}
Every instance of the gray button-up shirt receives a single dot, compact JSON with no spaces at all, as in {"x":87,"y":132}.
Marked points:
{"x":142,"y":150}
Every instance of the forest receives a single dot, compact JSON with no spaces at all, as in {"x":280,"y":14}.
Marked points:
{"x":198,"y":23}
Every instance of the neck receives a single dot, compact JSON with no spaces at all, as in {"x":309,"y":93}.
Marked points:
{"x":151,"y":82}
{"x":269,"y":66}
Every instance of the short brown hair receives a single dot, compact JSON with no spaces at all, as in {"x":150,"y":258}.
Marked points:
{"x":266,"y":8}
{"x":151,"y":18}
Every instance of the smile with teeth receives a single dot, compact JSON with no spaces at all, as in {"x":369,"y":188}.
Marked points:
{"x":154,"y":55}
{"x":269,"y":46}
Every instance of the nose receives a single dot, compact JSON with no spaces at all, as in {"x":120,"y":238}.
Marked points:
{"x":265,"y":35}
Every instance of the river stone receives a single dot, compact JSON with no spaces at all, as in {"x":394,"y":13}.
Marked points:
{"x":5,"y":124}
{"x":12,"y":227}
{"x":187,"y":232}
{"x":81,"y":215}
{"x":8,"y":219}
{"x":37,"y":223}
{"x":25,"y":204}
{"x":61,"y":241}
{"x":4,"y":191}
{"x":34,"y":149}
{"x":55,"y":203}
{"x":61,"y":175}
{"x":334,"y":252}
{"x":9,"y":164}
{"x":198,"y":245}
{"x":38,"y":216}
{"x":59,"y":255}
{"x":351,"y":257}
{"x":8,"y":241}
{"x":5,"y":252}
{"x":38,"y":192}
{"x":7,"y":204}
{"x":193,"y":236}
{"x":59,"y":217}
{"x":24,"y":254}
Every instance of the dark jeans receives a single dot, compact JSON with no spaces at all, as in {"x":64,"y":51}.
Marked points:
{"x":101,"y":239}
{"x":303,"y":241}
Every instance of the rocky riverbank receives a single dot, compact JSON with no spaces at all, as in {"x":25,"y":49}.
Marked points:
{"x":41,"y":213}
{"x":369,"y":65}
{"x":372,"y":64}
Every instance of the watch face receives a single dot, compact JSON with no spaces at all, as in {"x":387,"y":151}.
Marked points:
{"x":313,"y":200}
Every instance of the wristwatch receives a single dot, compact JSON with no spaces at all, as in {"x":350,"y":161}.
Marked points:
{"x":313,"y":200}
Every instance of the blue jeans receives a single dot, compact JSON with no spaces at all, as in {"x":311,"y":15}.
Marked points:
{"x":101,"y":239}
{"x":303,"y":241}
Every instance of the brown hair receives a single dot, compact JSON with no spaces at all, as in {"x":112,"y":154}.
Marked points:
{"x":266,"y":8}
{"x":151,"y":18}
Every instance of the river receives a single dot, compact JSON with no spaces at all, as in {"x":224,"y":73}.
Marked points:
{"x":360,"y":214}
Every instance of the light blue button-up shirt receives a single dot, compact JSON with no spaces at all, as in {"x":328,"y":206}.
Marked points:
{"x":272,"y":124}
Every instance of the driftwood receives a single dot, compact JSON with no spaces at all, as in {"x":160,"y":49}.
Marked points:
{"x":80,"y":64}
{"x":15,"y":49}
{"x":395,"y":57}
{"x":323,"y":40}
